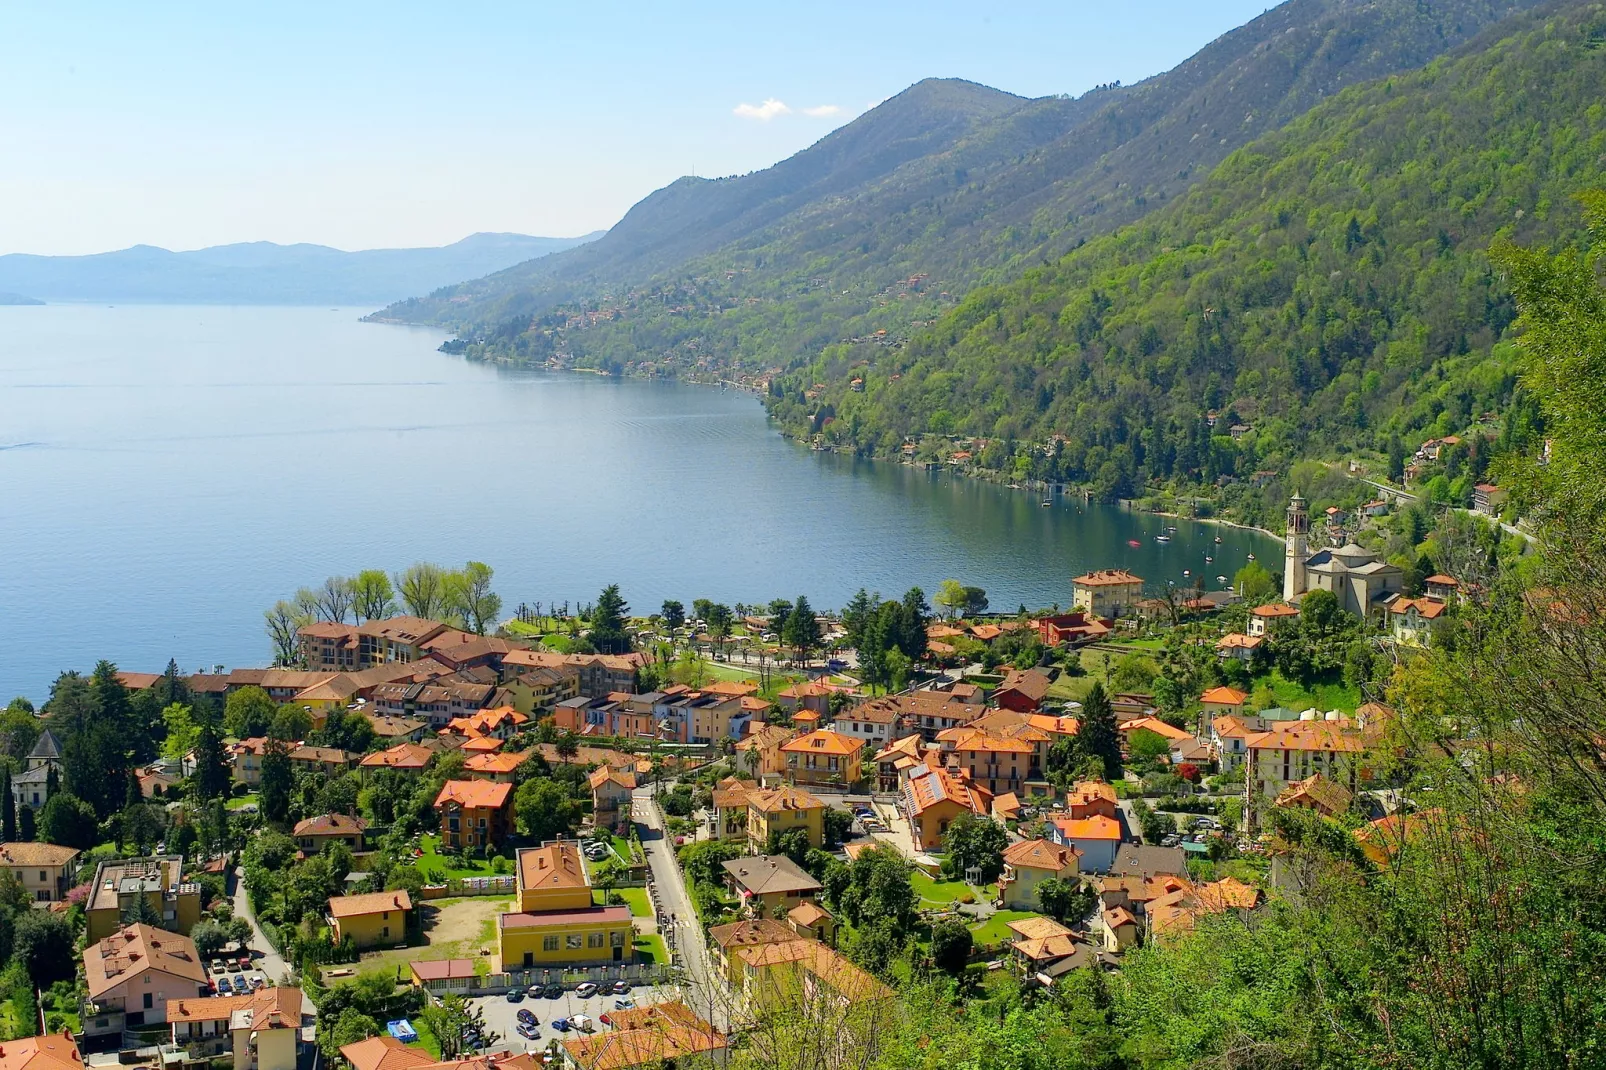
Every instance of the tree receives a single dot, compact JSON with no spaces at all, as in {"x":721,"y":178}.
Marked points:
{"x":856,"y":617}
{"x":1255,"y":584}
{"x":140,"y":825}
{"x":951,"y":943}
{"x":275,"y":781}
{"x":373,"y":597}
{"x":68,"y":821}
{"x":27,"y":832}
{"x":802,"y":629}
{"x":674,"y":615}
{"x":19,"y":729}
{"x":422,"y":588}
{"x":975,"y":842}
{"x":1097,"y":735}
{"x":336,"y":598}
{"x":1059,"y":898}
{"x":544,"y":809}
{"x":248,"y":712}
{"x":719,"y":624}
{"x":211,"y":767}
{"x":975,"y":601}
{"x":607,"y":633}
{"x":838,"y":824}
{"x":8,"y":822}
{"x":450,"y":1019}
{"x":567,"y":746}
{"x":349,"y":1027}
{"x":210,"y":938}
{"x":43,"y":942}
{"x":951,"y":596}
{"x":284,"y":623}
{"x":473,"y":598}
{"x":290,"y":723}
{"x":181,"y":731}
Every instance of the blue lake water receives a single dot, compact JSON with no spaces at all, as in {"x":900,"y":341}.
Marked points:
{"x":166,"y":473}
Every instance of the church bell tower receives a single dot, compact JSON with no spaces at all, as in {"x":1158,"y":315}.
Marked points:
{"x":1297,"y":549}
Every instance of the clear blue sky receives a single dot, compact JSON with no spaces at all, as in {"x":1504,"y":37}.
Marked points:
{"x":369,"y":125}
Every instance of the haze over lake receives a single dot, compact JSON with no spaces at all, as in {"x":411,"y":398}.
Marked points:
{"x":166,"y":473}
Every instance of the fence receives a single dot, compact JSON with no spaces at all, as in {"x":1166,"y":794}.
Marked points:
{"x":500,"y":884}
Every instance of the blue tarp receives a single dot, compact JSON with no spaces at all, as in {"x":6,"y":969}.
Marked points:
{"x":402,"y":1030}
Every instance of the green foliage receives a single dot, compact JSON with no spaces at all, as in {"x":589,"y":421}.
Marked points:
{"x":950,"y":945}
{"x":607,"y":633}
{"x":68,"y":821}
{"x":1097,"y":736}
{"x":544,"y":810}
{"x":975,"y":842}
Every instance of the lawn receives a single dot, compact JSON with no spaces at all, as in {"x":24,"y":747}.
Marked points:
{"x":936,"y":893}
{"x":1067,"y":688}
{"x":434,"y":866}
{"x":996,"y":930}
{"x":1294,"y":696}
{"x":650,"y":949}
{"x":636,"y":899}
{"x":242,"y":802}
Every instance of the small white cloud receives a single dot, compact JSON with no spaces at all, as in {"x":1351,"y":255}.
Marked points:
{"x":762,"y":112}
{"x":824,"y":111}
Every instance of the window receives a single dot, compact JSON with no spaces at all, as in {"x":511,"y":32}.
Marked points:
{"x":593,"y":939}
{"x":148,"y":998}
{"x":549,"y":943}
{"x":617,"y":939}
{"x":43,"y":875}
{"x":385,"y":935}
{"x":573,"y":942}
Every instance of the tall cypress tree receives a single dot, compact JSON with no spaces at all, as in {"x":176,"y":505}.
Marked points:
{"x":1097,"y":736}
{"x":8,"y":824}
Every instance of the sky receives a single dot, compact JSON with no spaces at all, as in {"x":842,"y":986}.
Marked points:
{"x":384,"y":125}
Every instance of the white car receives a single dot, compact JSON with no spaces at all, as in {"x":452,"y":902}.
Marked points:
{"x":586,"y":990}
{"x":582,"y":1022}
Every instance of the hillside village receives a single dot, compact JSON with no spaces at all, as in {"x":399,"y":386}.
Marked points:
{"x":382,"y":850}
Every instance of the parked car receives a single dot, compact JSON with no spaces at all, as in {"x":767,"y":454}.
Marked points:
{"x":554,"y":991}
{"x":586,"y":990}
{"x":529,"y":1031}
{"x":836,"y":664}
{"x":621,"y":987}
{"x":224,"y":988}
{"x":515,"y":995}
{"x":535,"y":991}
{"x":560,"y":1024}
{"x":583,"y":1023}
{"x":526,"y":1016}
{"x":624,"y":1003}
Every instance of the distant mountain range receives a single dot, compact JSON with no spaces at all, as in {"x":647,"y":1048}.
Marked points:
{"x":948,"y":184}
{"x":266,"y":273}
{"x":18,"y":299}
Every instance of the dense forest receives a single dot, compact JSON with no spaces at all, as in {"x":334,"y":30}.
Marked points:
{"x":1327,"y":288}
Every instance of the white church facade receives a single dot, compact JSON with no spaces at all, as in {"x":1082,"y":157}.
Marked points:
{"x":1362,"y":581}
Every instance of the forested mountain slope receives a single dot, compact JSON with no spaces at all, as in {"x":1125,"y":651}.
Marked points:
{"x":1329,"y":284}
{"x":948,"y":184}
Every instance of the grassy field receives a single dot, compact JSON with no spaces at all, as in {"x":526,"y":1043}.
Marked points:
{"x":636,"y":899}
{"x":1293,"y":696}
{"x":650,"y":948}
{"x":434,"y":866}
{"x":242,"y":802}
{"x":937,"y":894}
{"x":997,"y":928}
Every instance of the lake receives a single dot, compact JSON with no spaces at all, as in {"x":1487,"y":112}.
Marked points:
{"x":166,"y":473}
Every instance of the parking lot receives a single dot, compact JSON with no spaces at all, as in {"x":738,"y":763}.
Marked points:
{"x":501,"y":1017}
{"x":238,"y":979}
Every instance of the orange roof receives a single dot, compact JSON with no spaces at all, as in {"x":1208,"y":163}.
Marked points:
{"x":134,"y":949}
{"x":730,"y":688}
{"x":1119,"y":916}
{"x":278,"y":1007}
{"x":1155,"y":725}
{"x":1275,"y":609}
{"x":966,"y":738}
{"x":1036,"y":927}
{"x":557,"y":865}
{"x":474,"y":794}
{"x":1441,"y":580}
{"x":1225,"y":696}
{"x":1237,"y":641}
{"x":1087,"y":791}
{"x":384,"y":1053}
{"x":785,"y":797}
{"x":809,"y":913}
{"x":927,"y":789}
{"x":354,"y":906}
{"x":1105,"y":577}
{"x":401,"y":756}
{"x":1427,"y":607}
{"x":1230,"y":726}
{"x":1054,"y":726}
{"x":602,"y":774}
{"x":496,"y":764}
{"x":824,"y":741}
{"x":330,"y":825}
{"x":50,"y":1052}
{"x":1041,"y":854}
{"x":483,"y":745}
{"x":1097,"y":827}
{"x":24,"y":853}
{"x":660,"y":1035}
{"x":1007,"y":804}
{"x":1307,"y":736}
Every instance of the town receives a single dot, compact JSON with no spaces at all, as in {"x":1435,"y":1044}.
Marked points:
{"x":411,"y":843}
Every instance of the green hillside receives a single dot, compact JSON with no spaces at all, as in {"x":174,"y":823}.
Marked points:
{"x":948,"y":185}
{"x":1327,"y":286}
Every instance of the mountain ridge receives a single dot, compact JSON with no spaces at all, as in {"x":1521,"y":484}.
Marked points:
{"x":266,"y":272}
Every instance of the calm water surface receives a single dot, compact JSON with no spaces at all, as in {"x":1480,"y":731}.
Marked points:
{"x":166,"y":473}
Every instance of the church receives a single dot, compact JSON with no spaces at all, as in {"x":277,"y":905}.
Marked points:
{"x":1363,"y":582}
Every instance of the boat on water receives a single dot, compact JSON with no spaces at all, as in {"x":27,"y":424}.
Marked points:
{"x":1208,"y":559}
{"x":1047,"y":503}
{"x":1162,"y":538}
{"x":1133,"y":542}
{"x":1185,"y":572}
{"x":1251,"y":557}
{"x":1218,"y":538}
{"x":1221,"y":579}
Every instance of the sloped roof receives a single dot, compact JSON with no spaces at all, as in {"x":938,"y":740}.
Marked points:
{"x":276,"y":1007}
{"x":401,"y":756}
{"x":134,"y":949}
{"x":1097,"y":827}
{"x":1040,"y":854}
{"x":385,"y":1053}
{"x":784,"y":797}
{"x":766,"y":874}
{"x":46,"y":746}
{"x":50,"y":1052}
{"x":557,"y":865}
{"x":824,"y":741}
{"x":751,"y":933}
{"x":471,"y":794}
{"x":330,"y":825}
{"x":355,"y":906}
{"x":1225,"y":696}
{"x":35,"y":854}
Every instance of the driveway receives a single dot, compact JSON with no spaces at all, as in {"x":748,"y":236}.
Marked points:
{"x":677,"y":918}
{"x":268,"y":960}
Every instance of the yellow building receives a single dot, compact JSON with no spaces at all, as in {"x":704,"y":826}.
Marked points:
{"x":769,"y":886}
{"x":806,"y":974}
{"x":759,"y":754}
{"x":1108,"y":592}
{"x":783,"y":809}
{"x":378,"y":918}
{"x":1028,"y":864}
{"x":536,"y":692}
{"x":44,"y":869}
{"x":557,"y":922}
{"x":159,"y":879}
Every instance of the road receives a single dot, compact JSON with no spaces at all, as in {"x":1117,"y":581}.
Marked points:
{"x":273,"y":967}
{"x":702,"y":988}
